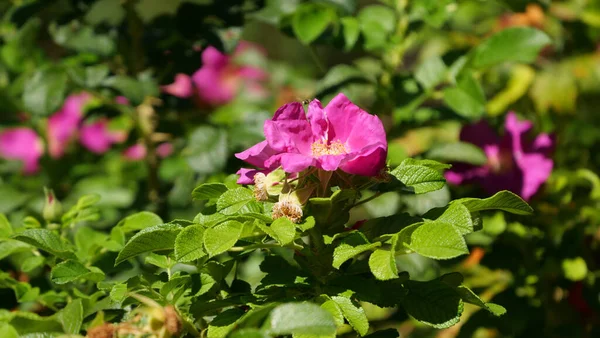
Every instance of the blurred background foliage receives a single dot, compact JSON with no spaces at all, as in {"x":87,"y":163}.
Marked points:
{"x":425,"y":67}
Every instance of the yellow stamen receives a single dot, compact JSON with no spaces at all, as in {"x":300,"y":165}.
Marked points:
{"x":321,"y":148}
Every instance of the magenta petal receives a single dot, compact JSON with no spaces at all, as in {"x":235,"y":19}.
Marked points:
{"x":536,"y":168}
{"x":291,"y":163}
{"x":352,"y":125}
{"x":464,"y":173}
{"x":247,"y":175}
{"x":318,"y":120}
{"x":211,"y":57}
{"x":181,"y":87}
{"x":22,"y":144}
{"x":252,"y":73}
{"x":96,"y":137}
{"x":369,"y":162}
{"x":257,"y":154}
{"x":330,"y":162}
{"x":543,"y":143}
{"x":164,"y":149}
{"x":289,"y":131}
{"x":63,"y":125}
{"x":212,"y":87}
{"x":479,"y":134}
{"x":136,"y":152}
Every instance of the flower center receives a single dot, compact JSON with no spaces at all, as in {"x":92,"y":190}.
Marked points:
{"x":502,"y":162}
{"x":321,"y":147}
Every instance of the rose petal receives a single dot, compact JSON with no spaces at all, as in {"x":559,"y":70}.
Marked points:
{"x":181,"y":87}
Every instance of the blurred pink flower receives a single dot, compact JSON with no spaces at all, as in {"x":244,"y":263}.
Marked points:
{"x":513,"y":164}
{"x":98,"y":138}
{"x":339,"y":136}
{"x":220,"y":78}
{"x":122,"y":100}
{"x":182,"y":87}
{"x":22,"y":144}
{"x":63,"y":125}
{"x":138,"y":151}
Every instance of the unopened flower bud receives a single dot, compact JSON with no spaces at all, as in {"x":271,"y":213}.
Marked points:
{"x":52,"y":208}
{"x":287,"y":207}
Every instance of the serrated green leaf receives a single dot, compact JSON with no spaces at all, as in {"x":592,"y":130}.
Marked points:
{"x":468,"y":296}
{"x":458,"y":216}
{"x":118,"y":293}
{"x":382,"y":263}
{"x":46,"y":240}
{"x":458,"y":152}
{"x":28,"y":322}
{"x":160,"y":261}
{"x":208,"y":191}
{"x":5,"y":227}
{"x":71,"y":317}
{"x":518,"y":44}
{"x":248,"y":333}
{"x":32,"y":262}
{"x":438,"y":240}
{"x":431,"y":72}
{"x":232,"y":201}
{"x":434,"y":303}
{"x":354,"y":314}
{"x":224,"y":322}
{"x":334,"y":309}
{"x":139,"y":221}
{"x":156,"y":238}
{"x":188,"y":244}
{"x":503,"y":200}
{"x":423,"y":176}
{"x":222,"y":237}
{"x":300,"y":318}
{"x":284,"y":230}
{"x":70,"y":270}
{"x":310,"y":21}
{"x":351,"y":246}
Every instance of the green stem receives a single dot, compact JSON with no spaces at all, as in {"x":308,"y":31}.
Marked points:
{"x":317,"y":60}
{"x":377,"y":194}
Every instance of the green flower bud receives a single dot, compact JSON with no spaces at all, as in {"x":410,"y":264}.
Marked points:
{"x":52,"y":208}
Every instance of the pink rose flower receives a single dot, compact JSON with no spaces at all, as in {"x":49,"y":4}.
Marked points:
{"x":138,"y":151}
{"x":63,"y":125}
{"x":98,"y":138}
{"x":22,"y":144}
{"x":219,"y":79}
{"x":514,"y":163}
{"x":339,"y":136}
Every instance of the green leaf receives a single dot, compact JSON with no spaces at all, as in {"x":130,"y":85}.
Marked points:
{"x":333,"y":308}
{"x":376,"y":23}
{"x":31,"y":263}
{"x":434,"y":303}
{"x":351,"y":30}
{"x":70,"y":270}
{"x":157,"y":260}
{"x":339,"y":76}
{"x":503,"y":200}
{"x":382,"y":263}
{"x":284,"y":230}
{"x":300,"y":318}
{"x":82,"y":39}
{"x":574,"y":269}
{"x":222,"y":237}
{"x":158,"y":237}
{"x":248,"y":333}
{"x":5,"y":227}
{"x":431,"y":72}
{"x":423,"y":176}
{"x":208,"y":191}
{"x":232,"y":201}
{"x":118,"y":293}
{"x":71,"y":317}
{"x":438,"y":240}
{"x":310,"y":21}
{"x":48,"y":241}
{"x":11,"y":246}
{"x":518,"y":44}
{"x":44,"y":91}
{"x":188,"y":245}
{"x":7,"y":331}
{"x":351,"y":246}
{"x":28,"y":322}
{"x":469,"y":296}
{"x":354,"y":314}
{"x":458,"y":152}
{"x":224,"y":322}
{"x":458,"y":216}
{"x":139,"y":221}
{"x":466,"y":98}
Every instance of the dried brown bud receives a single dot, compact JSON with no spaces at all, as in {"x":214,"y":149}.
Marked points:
{"x":288,"y":208}
{"x":260,"y":187}
{"x":172,"y":321}
{"x":106,"y":330}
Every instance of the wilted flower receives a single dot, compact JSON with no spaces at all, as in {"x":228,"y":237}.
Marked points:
{"x":219,"y":79}
{"x":288,"y":207}
{"x":339,"y":136}
{"x":63,"y":125}
{"x":98,"y":137}
{"x":22,"y":144}
{"x":513,"y":163}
